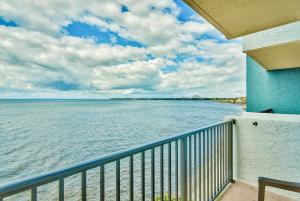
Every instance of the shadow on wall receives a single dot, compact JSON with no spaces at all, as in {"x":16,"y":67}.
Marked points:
{"x":277,"y":89}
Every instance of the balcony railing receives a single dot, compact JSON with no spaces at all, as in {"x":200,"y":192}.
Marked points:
{"x":196,"y":165}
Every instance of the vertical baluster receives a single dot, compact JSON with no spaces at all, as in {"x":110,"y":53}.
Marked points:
{"x":200,"y":166}
{"x":211,"y":162}
{"x":207,"y":161}
{"x":176,"y":168}
{"x":221,"y":156}
{"x":183,"y":169}
{"x":153,"y":174}
{"x":131,"y":186}
{"x":102,"y":183}
{"x":118,"y":183}
{"x":83,"y":185}
{"x":195,"y":167}
{"x":34,"y":193}
{"x":231,"y":151}
{"x":169,"y":171}
{"x":61,"y":189}
{"x":221,"y":147}
{"x":161,"y":172}
{"x":204,"y":166}
{"x":214,"y":160}
{"x":228,"y":147}
{"x":190,"y":167}
{"x":226,"y":150}
{"x":218,"y":158}
{"x":224,"y":155}
{"x":143,"y":176}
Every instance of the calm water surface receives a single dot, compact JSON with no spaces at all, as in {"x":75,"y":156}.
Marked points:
{"x":38,"y":136}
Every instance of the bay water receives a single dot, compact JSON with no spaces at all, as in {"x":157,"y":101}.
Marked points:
{"x":37,"y":136}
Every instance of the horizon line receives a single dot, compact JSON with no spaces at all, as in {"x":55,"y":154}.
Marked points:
{"x":128,"y":98}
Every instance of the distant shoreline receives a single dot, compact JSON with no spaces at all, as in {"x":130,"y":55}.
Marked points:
{"x":237,"y":100}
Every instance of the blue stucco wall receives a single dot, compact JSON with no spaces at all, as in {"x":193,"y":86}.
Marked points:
{"x":278,"y":89}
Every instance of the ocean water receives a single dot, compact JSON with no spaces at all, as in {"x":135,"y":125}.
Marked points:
{"x":41,"y":135}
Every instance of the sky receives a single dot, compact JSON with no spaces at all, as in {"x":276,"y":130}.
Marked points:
{"x":112,"y":48}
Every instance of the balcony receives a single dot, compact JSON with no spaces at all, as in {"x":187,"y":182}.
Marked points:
{"x":192,"y":166}
{"x":198,"y":165}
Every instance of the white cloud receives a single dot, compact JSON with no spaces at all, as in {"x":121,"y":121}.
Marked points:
{"x":139,"y":74}
{"x":38,"y":54}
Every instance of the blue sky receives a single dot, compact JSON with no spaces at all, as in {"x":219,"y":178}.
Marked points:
{"x":92,"y":49}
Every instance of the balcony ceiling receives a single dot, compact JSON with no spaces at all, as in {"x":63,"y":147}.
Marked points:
{"x":278,"y":56}
{"x":235,"y":18}
{"x":276,"y":48}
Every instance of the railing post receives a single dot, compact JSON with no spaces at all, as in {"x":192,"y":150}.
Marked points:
{"x":183,"y":169}
{"x":231,"y":150}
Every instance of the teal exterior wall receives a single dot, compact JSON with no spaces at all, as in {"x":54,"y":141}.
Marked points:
{"x":278,"y":90}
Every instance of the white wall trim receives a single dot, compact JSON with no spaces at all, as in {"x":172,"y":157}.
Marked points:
{"x":272,"y":37}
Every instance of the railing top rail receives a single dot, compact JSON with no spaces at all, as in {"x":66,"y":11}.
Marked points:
{"x":44,"y":178}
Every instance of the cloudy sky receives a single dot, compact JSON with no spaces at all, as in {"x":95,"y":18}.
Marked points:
{"x":114,"y":48}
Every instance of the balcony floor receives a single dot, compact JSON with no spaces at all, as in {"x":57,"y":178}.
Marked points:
{"x":243,"y":192}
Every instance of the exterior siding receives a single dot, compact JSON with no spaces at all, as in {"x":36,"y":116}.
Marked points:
{"x":278,"y":89}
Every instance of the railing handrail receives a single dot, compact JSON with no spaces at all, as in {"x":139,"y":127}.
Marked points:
{"x":44,"y":178}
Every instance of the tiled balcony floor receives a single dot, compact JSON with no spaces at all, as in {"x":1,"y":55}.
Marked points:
{"x":243,"y":192}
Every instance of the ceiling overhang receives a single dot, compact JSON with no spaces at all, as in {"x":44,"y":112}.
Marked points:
{"x":235,"y":18}
{"x":277,"y":48}
{"x":278,"y":56}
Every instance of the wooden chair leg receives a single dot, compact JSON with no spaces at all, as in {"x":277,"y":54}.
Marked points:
{"x":261,"y":191}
